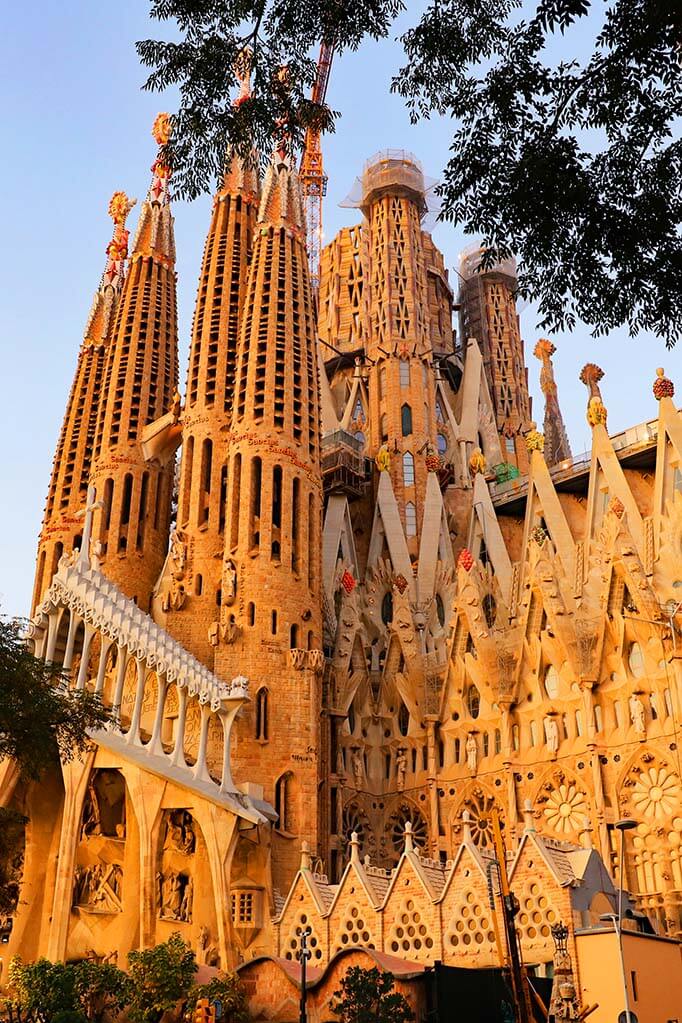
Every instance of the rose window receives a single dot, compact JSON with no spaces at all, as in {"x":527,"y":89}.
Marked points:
{"x":656,"y":793}
{"x":354,"y":820}
{"x":566,"y":808}
{"x":397,"y":829}
{"x":480,"y":819}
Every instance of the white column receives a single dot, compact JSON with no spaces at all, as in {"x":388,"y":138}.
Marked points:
{"x":52,"y":630}
{"x":226,"y":719}
{"x":101,"y":671}
{"x":70,"y":639}
{"x":83,"y":668}
{"x":155,"y":745}
{"x":179,"y":751}
{"x":120,"y":679}
{"x":200,"y":772}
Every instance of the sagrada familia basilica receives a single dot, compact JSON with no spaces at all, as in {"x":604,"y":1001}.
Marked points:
{"x":344,"y":598}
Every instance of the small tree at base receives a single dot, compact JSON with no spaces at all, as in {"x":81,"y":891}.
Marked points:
{"x":228,"y":991}
{"x":160,"y":978}
{"x":367,"y":996}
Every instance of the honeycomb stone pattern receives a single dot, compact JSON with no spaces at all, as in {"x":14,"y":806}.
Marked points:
{"x":409,"y":936}
{"x":471,"y":926}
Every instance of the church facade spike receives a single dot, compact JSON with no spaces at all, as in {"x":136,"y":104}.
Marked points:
{"x":202,"y":502}
{"x":557,"y":447}
{"x":140,"y":385}
{"x":270,"y":613}
{"x":73,"y":458}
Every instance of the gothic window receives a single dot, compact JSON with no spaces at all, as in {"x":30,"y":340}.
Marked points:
{"x":439,"y":412}
{"x":262,"y":714}
{"x":618,"y":712}
{"x":498,"y":741}
{"x":489,"y":606}
{"x":404,"y":373}
{"x":406,"y":420}
{"x":533,"y":734}
{"x":256,"y":476}
{"x":351,"y":719}
{"x":387,"y":608}
{"x":284,"y":802}
{"x":509,"y":445}
{"x":598,"y":720}
{"x":636,"y":660}
{"x":410,"y":519}
{"x":440,"y":610}
{"x":473,"y":701}
{"x":359,"y":436}
{"x":652,"y":704}
{"x":552,"y":682}
{"x":408,"y":469}
{"x":677,"y":478}
{"x":442,"y":442}
{"x":222,"y":510}
{"x":403,"y":719}
{"x":486,"y":744}
{"x":358,"y":411}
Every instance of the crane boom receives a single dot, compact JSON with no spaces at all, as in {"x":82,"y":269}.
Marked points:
{"x":311,"y":173}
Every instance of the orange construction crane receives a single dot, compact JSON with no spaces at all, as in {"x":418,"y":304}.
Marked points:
{"x":311,"y":173}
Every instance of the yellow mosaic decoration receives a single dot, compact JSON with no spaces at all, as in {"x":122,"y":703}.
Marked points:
{"x":535,"y":441}
{"x":161,"y":129}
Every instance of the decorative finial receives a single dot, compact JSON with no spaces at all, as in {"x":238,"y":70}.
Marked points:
{"x":91,"y":505}
{"x":586,"y":833}
{"x":354,"y":848}
{"x":477,"y":462}
{"x":242,"y":70}
{"x":117,"y":249}
{"x":590,"y":375}
{"x":306,"y":858}
{"x":538,"y":535}
{"x":466,"y":827}
{"x":535,"y":441}
{"x":465,"y":559}
{"x":544,"y":349}
{"x":409,"y":843}
{"x":663,"y":387}
{"x":158,"y":192}
{"x":529,"y":823}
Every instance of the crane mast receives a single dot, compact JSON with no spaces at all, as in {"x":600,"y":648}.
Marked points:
{"x":311,"y":173}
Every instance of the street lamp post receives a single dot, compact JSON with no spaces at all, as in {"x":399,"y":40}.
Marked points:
{"x":304,"y":955}
{"x":622,"y":826}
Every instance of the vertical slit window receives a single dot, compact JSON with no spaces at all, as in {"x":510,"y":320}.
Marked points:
{"x":295,"y":524}
{"x":255,"y":503}
{"x":142,"y":517}
{"x":187,"y":483}
{"x":234,"y":509}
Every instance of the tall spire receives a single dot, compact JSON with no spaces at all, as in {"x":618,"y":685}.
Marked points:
{"x":140,"y":386}
{"x":557,"y":447}
{"x":488,"y":300}
{"x":271,"y":605}
{"x":208,"y":406}
{"x":72,"y":463}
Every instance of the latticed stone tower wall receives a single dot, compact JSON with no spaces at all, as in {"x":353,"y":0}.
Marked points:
{"x":62,"y":525}
{"x":489,"y":314}
{"x":139,"y":387}
{"x":202,"y":503}
{"x":271,"y":590}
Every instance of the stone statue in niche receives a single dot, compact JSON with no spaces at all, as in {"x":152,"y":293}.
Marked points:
{"x":552,"y":733}
{"x":229,"y":583}
{"x":180,"y":833}
{"x":472,"y":752}
{"x":401,"y":768}
{"x":104,"y":805}
{"x":175,"y":894}
{"x":98,"y":888}
{"x":358,"y":768}
{"x":174,"y":596}
{"x":637,"y":714}
{"x":206,"y":952}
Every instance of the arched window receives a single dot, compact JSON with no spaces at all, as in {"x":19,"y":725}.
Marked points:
{"x":284,"y":803}
{"x":515,"y":738}
{"x":406,"y":420}
{"x":262,"y":715}
{"x":384,"y":428}
{"x":404,"y":373}
{"x":498,"y":740}
{"x":473,"y":701}
{"x":440,"y":610}
{"x":578,"y":722}
{"x":552,"y":682}
{"x":442,"y":443}
{"x":293,"y":636}
{"x":387,"y":608}
{"x":668,"y":703}
{"x":618,"y":712}
{"x":403,"y":719}
{"x":533,"y":734}
{"x":358,"y":411}
{"x":486,"y":744}
{"x":439,"y":412}
{"x":410,"y":519}
{"x":636,"y":660}
{"x":408,"y":469}
{"x":598,"y":720}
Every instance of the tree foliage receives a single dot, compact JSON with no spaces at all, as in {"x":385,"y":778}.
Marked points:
{"x":570,"y":164}
{"x":226,"y":989}
{"x":68,"y":992}
{"x":160,"y":978}
{"x":368,"y":996}
{"x":40,"y":717}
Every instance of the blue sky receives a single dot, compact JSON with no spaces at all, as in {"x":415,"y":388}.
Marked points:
{"x":77,"y":127}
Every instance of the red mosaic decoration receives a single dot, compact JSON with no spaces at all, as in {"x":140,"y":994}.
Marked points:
{"x":433,"y":463}
{"x":465,"y":560}
{"x":348,"y":581}
{"x":663,"y":388}
{"x":617,"y":507}
{"x":400,"y":583}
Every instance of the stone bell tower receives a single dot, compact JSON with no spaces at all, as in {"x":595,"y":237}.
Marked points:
{"x":140,"y":385}
{"x":192,"y":602}
{"x":63,"y":523}
{"x":270,"y":615}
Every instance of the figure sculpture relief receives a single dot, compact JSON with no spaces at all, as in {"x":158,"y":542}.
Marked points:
{"x":552,"y":734}
{"x":180,"y":832}
{"x":175,"y":894}
{"x":401,"y":769}
{"x":472,"y":752}
{"x":358,"y":768}
{"x":637,"y":714}
{"x":229,"y":583}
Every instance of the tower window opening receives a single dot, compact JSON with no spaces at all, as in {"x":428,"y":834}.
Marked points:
{"x":108,"y":500}
{"x":251,"y":613}
{"x":295,"y":524}
{"x":442,"y":444}
{"x":458,"y":750}
{"x":404,"y":373}
{"x":198,"y":584}
{"x":277,"y":496}
{"x":509,"y":445}
{"x":142,"y":517}
{"x":387,"y":608}
{"x":187,"y":487}
{"x":127,"y":496}
{"x":440,"y":610}
{"x":293,"y":636}
{"x":284,"y":803}
{"x":406,"y":420}
{"x":222,"y":511}
{"x":312,"y":542}
{"x":205,"y":487}
{"x":262,"y":715}
{"x":473,"y":701}
{"x":256,"y":480}
{"x":273,"y":623}
{"x":408,"y":469}
{"x":410,"y":519}
{"x":218,"y":597}
{"x":234,"y":507}
{"x":403,"y":719}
